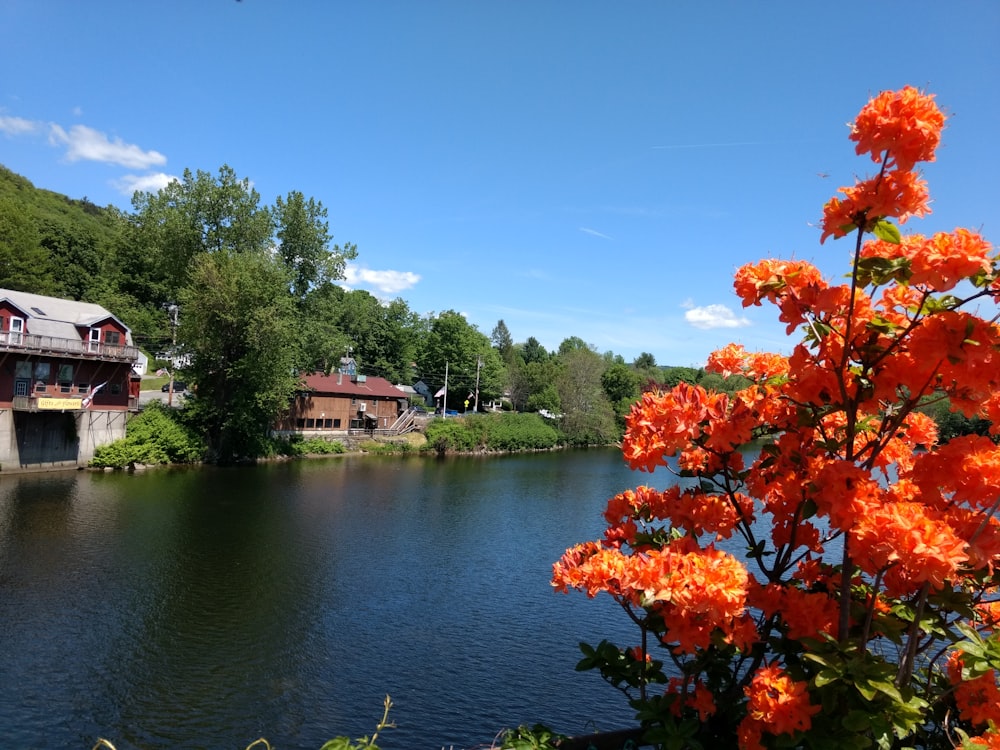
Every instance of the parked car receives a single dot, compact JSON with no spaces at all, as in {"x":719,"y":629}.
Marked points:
{"x":179,"y":385}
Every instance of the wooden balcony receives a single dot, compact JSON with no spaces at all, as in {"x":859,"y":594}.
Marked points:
{"x":28,"y":343}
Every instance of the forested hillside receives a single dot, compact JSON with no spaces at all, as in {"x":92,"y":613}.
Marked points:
{"x":257,"y":295}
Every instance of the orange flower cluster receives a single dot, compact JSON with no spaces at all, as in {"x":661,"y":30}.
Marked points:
{"x":899,"y":194}
{"x":777,"y":705}
{"x":702,"y":590}
{"x":938,"y":262}
{"x":977,"y":698}
{"x":822,"y":470}
{"x":700,"y":698}
{"x":903,"y":127}
{"x":898,"y":129}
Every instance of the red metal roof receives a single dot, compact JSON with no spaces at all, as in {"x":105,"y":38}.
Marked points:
{"x":337,"y":384}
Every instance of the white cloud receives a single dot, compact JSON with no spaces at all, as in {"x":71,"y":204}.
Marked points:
{"x":714,"y":316}
{"x":386,"y":282}
{"x":146,"y":183}
{"x":83,"y":143}
{"x":595,"y":233}
{"x":18,"y":125}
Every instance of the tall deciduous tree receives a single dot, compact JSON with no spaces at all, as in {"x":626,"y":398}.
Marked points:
{"x":453,"y":342}
{"x":238,"y":322}
{"x":588,"y":418}
{"x":303,"y":235}
{"x":199,"y":214}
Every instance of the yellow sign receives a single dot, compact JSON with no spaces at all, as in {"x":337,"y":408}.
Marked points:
{"x":60,"y":403}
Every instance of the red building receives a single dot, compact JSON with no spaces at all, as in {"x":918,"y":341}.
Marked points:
{"x":343,"y":403}
{"x":65,"y":370}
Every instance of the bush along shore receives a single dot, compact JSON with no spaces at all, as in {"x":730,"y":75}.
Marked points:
{"x":160,"y":436}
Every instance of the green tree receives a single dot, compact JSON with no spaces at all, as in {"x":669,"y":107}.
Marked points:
{"x":452,"y":343}
{"x":24,"y":263}
{"x":502,"y":340}
{"x":380,"y":335}
{"x":199,"y":214}
{"x":533,"y":351}
{"x":303,"y":245}
{"x":588,"y":418}
{"x":238,"y":322}
{"x":621,"y":385}
{"x":322,"y":340}
{"x":573,"y":344}
{"x":672,"y":376}
{"x":645,"y":361}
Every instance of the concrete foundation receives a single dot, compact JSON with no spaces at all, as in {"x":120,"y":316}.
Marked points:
{"x":46,"y":441}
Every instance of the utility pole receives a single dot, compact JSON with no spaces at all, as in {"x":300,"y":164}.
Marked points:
{"x":444,"y":401}
{"x":475,"y":404}
{"x":172,"y":309}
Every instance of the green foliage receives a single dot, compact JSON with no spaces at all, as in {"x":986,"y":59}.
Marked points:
{"x":155,"y":436}
{"x":491,"y":432}
{"x":536,"y":737}
{"x":952,"y":423}
{"x":588,"y":418}
{"x":304,"y":243}
{"x":239,"y":325}
{"x":296,"y":445}
{"x":449,"y":435}
{"x":386,"y":448}
{"x":452,"y":344}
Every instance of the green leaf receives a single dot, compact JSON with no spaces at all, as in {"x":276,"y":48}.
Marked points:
{"x":886,"y":231}
{"x":825,"y":677}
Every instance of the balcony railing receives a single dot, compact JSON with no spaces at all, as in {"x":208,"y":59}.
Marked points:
{"x":35,"y":344}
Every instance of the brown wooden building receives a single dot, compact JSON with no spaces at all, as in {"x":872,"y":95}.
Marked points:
{"x":65,"y":373}
{"x":343,"y":403}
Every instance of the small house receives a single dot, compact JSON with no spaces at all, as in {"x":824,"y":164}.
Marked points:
{"x":342,"y":403}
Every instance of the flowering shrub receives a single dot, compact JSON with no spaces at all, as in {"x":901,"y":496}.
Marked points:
{"x":864,"y":611}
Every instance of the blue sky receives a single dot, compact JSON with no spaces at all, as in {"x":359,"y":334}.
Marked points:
{"x":589,"y":169}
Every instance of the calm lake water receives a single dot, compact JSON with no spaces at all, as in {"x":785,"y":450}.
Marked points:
{"x":205,"y":608}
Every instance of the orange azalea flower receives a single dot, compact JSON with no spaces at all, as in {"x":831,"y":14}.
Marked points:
{"x":966,"y":469}
{"x":662,"y":424}
{"x":769,"y":279}
{"x":938,"y":262}
{"x":778,"y":703}
{"x":730,"y":360}
{"x":978,"y":699}
{"x":913,"y":538}
{"x":904,"y":126}
{"x":700,"y":699}
{"x":893,"y":194}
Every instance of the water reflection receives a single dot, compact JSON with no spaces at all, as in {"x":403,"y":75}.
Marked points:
{"x":208,"y":607}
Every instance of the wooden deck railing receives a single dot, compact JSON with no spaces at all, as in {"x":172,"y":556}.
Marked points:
{"x":31,"y":343}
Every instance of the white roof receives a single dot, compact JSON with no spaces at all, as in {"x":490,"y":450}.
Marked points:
{"x":59,"y":318}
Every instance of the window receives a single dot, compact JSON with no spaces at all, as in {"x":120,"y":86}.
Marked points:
{"x":300,"y":423}
{"x":22,"y":369}
{"x":43,"y":370}
{"x":83,"y":387}
{"x":112,"y":337}
{"x":327,"y":424}
{"x":16,"y":329}
{"x":336,"y":423}
{"x":65,"y":378}
{"x":115,"y":388}
{"x":310,"y":423}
